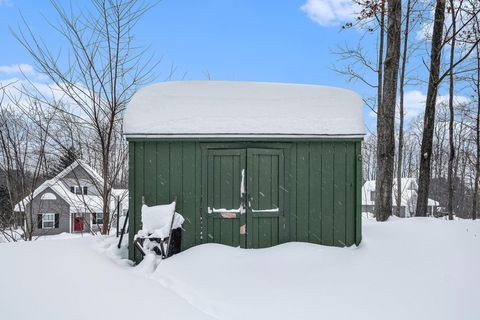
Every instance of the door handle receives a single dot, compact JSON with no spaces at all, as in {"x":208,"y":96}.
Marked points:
{"x":250,"y":199}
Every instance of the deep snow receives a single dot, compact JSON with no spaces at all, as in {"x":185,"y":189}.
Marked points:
{"x":419,"y":268}
{"x":72,"y":279}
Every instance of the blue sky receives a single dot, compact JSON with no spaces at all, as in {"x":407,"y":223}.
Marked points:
{"x":251,"y":40}
{"x":232,"y":40}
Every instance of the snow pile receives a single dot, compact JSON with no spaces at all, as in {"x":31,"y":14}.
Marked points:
{"x":108,"y":247}
{"x":148,"y":265}
{"x":404,"y":269}
{"x":8,"y":235}
{"x":156,"y":220}
{"x":70,"y":279}
{"x":418,"y":268}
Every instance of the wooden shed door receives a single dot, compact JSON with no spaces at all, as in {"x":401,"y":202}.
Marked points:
{"x":245,"y":194}
{"x":265,"y":189}
{"x":224,"y":197}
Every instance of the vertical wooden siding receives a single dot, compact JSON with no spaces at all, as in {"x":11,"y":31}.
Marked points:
{"x":324,"y":188}
{"x":325,"y":193}
{"x":159,"y":171}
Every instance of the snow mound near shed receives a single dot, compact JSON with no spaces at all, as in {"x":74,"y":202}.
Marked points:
{"x":404,"y":269}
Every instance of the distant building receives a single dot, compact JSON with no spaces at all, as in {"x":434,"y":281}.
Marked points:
{"x":69,"y":202}
{"x":409,"y":188}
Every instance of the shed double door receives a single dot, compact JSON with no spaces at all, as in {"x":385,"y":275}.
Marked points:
{"x":245,"y":197}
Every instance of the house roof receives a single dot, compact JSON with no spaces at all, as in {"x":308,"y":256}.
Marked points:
{"x":203,"y":108}
{"x":78,"y":203}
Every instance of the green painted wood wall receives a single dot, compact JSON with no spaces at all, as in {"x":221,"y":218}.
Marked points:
{"x":322,"y":186}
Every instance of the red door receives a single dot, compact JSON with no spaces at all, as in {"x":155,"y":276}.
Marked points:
{"x":78,"y":224}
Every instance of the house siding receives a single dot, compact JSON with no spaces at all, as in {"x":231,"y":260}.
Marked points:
{"x":80,"y":177}
{"x":39,"y":206}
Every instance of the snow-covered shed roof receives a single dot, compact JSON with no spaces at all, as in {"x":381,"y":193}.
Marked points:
{"x":225,"y":108}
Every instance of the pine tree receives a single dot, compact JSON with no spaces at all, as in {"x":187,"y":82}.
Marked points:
{"x":6,"y":213}
{"x":69,"y":156}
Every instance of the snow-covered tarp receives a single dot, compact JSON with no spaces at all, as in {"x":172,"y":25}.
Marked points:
{"x":156,"y":220}
{"x":243,"y":108}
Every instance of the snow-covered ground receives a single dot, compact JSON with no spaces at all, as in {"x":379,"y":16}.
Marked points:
{"x":404,"y":269}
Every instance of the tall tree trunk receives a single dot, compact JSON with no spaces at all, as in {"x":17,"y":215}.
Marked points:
{"x":400,"y":127}
{"x":386,"y":114}
{"x":380,"y":55}
{"x":429,"y":118}
{"x":463,"y":187}
{"x":477,"y":127}
{"x":451,"y":141}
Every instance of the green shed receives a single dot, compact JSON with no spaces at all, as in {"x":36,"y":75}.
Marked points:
{"x":252,"y":164}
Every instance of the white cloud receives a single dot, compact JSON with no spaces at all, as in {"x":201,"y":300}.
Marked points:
{"x":425,"y":31}
{"x":20,"y":92}
{"x":20,"y":82}
{"x":414,"y":102}
{"x":329,"y":12}
{"x":14,"y":87}
{"x":16,"y":69}
{"x":6,"y":3}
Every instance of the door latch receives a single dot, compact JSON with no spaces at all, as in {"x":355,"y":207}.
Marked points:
{"x":243,"y":229}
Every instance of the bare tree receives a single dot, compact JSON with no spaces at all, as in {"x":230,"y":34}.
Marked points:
{"x":451,"y":158}
{"x":386,"y":114}
{"x":429,"y":118}
{"x":362,"y":64}
{"x":369,"y":158}
{"x":476,"y":82}
{"x":102,"y":72}
{"x":406,"y":33}
{"x":435,"y":79}
{"x":380,"y":55}
{"x":23,"y":150}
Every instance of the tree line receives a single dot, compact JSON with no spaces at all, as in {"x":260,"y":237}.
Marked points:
{"x":432,"y":45}
{"x":91,"y":79}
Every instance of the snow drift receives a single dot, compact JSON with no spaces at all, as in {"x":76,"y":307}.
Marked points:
{"x":419,"y":268}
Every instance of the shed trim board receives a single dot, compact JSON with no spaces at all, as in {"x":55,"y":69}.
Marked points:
{"x":242,"y":136}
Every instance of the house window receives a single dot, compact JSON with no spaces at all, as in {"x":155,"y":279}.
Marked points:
{"x":372,"y":195}
{"x":79,"y":190}
{"x":97,"y":218}
{"x":48,"y":221}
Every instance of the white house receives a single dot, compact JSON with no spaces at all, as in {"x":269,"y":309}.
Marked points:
{"x":409,"y":188}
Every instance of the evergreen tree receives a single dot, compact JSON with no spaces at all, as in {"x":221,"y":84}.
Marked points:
{"x":68,"y":156}
{"x":6,"y":214}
